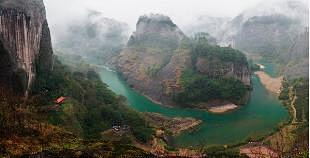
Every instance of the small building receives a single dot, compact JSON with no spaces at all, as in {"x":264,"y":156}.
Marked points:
{"x":116,"y":128}
{"x":60,"y":100}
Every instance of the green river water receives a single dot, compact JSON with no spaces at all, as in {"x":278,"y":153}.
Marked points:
{"x":259,"y":117}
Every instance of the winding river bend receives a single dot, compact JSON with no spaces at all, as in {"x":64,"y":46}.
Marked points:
{"x":260,"y":116}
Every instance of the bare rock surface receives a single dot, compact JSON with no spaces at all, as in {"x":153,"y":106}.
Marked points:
{"x":24,"y":33}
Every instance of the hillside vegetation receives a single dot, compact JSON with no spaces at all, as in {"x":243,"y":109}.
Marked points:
{"x":296,"y":92}
{"x":160,"y":61}
{"x":90,"y":107}
{"x":212,"y":84}
{"x":291,"y":140}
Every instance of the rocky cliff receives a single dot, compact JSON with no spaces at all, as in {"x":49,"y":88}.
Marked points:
{"x":158,"y":54}
{"x":229,"y":69}
{"x":152,"y":62}
{"x":25,"y":42}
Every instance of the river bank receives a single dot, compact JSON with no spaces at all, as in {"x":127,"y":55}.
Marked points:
{"x":213,"y":128}
{"x":284,"y":139}
{"x":271,"y":84}
{"x":174,"y":125}
{"x":259,"y":151}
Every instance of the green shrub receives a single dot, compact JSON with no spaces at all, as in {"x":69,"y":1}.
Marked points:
{"x":95,"y":107}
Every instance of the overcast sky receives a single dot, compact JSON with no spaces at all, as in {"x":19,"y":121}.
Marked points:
{"x":181,"y":11}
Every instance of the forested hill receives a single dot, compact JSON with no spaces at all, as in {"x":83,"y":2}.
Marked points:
{"x":276,"y":30}
{"x":91,"y":107}
{"x":158,"y":56}
{"x":218,"y":75}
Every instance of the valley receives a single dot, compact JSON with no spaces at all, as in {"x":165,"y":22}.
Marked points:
{"x":96,"y":82}
{"x":228,"y":128}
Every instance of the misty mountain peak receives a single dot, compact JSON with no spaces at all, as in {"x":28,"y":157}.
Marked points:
{"x":155,"y":23}
{"x":294,"y":9}
{"x":156,"y":26}
{"x":156,"y":18}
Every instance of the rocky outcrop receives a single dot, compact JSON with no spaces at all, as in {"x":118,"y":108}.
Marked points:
{"x":229,"y":69}
{"x":153,"y":62}
{"x":156,"y":57}
{"x":157,"y":31}
{"x":25,"y":41}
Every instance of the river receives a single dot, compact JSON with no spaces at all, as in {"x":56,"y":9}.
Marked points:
{"x":260,"y":116}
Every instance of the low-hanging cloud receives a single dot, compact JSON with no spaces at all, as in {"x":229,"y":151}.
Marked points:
{"x":61,"y":12}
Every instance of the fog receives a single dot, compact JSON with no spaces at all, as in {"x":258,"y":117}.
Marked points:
{"x":60,"y":12}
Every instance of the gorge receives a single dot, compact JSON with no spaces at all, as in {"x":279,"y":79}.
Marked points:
{"x":149,"y":62}
{"x":164,"y":91}
{"x":251,"y":121}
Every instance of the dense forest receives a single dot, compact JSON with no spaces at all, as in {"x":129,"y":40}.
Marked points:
{"x":90,"y":107}
{"x":38,"y":126}
{"x":200,"y":88}
{"x":296,"y":92}
{"x":212,"y":85}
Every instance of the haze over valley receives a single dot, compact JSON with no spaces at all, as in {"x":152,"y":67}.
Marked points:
{"x":154,"y":78}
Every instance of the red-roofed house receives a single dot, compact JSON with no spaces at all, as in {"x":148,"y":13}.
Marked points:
{"x":60,"y":100}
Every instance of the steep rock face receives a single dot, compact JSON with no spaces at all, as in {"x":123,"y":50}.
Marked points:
{"x":152,"y":63}
{"x":158,"y":54}
{"x":22,"y":24}
{"x":44,"y":61}
{"x":155,"y":31}
{"x":230,"y":69}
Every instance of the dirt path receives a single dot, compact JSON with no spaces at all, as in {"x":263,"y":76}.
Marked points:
{"x":293,"y":98}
